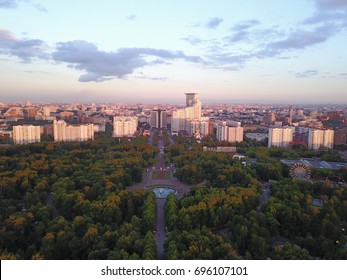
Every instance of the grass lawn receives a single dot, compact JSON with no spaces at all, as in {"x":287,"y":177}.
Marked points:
{"x":161,"y":175}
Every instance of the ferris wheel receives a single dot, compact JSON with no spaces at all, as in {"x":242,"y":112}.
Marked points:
{"x":300,"y":170}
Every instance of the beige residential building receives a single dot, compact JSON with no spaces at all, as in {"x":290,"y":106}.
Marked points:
{"x":124,"y":126}
{"x":25,"y":134}
{"x":67,"y":133}
{"x":318,"y":138}
{"x":280,"y":137}
{"x":229,"y":133}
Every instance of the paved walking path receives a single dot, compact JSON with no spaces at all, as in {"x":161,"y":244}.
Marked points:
{"x":160,"y":233}
{"x":148,"y":182}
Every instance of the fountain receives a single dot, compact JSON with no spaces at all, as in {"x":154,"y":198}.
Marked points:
{"x":163,"y":192}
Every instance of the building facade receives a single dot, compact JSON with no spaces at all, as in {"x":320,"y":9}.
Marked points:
{"x":159,"y":119}
{"x":124,"y":126}
{"x":180,"y":118}
{"x":26,"y":134}
{"x":229,"y":133}
{"x":318,"y":138}
{"x":67,"y":133}
{"x":280,"y":137}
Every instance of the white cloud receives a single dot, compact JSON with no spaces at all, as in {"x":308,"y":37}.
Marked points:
{"x":101,"y":66}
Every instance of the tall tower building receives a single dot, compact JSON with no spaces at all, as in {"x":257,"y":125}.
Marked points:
{"x":159,"y":118}
{"x":270,"y":118}
{"x":31,"y":112}
{"x":191,"y":99}
{"x":290,"y":115}
{"x":179,"y":119}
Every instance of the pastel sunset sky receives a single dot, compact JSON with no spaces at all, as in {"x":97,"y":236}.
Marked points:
{"x":230,"y":51}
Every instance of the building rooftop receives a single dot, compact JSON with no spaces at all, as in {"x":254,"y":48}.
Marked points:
{"x":316,"y":163}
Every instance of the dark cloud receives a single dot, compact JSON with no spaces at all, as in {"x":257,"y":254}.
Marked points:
{"x":40,"y":8}
{"x":306,"y":74}
{"x":323,"y":17}
{"x":8,"y":4}
{"x":101,"y":66}
{"x":25,"y":49}
{"x":193,"y":40}
{"x":213,"y":23}
{"x":13,"y":4}
{"x":228,"y":61}
{"x":331,"y":4}
{"x":329,"y":11}
{"x":237,"y":37}
{"x":241,"y":31}
{"x":263,"y":48}
{"x":131,"y":17}
{"x":300,"y":39}
{"x":243,"y":25}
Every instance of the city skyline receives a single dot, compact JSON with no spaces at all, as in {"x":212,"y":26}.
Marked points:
{"x":229,"y":51}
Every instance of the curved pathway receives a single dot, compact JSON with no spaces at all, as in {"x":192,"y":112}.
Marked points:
{"x":148,"y":182}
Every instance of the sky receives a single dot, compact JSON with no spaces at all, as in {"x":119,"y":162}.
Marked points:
{"x":229,"y":51}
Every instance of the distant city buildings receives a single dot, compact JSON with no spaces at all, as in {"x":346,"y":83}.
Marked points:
{"x":124,"y":126}
{"x":26,"y":134}
{"x":280,"y":137}
{"x":66,"y":133}
{"x":14,"y":112}
{"x":46,"y":112}
{"x":340,"y":137}
{"x":222,"y":121}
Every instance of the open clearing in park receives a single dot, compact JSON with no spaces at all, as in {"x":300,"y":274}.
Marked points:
{"x":161,"y":175}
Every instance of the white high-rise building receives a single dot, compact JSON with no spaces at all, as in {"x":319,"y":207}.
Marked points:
{"x":124,"y":126}
{"x":318,"y":138}
{"x":25,"y":134}
{"x":235,"y":134}
{"x":204,"y":128}
{"x":328,"y":139}
{"x":280,"y":137}
{"x":178,"y":120}
{"x":159,"y":118}
{"x":229,"y":133}
{"x":197,"y":110}
{"x":68,"y":133}
{"x":180,"y":117}
{"x":193,"y":126}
